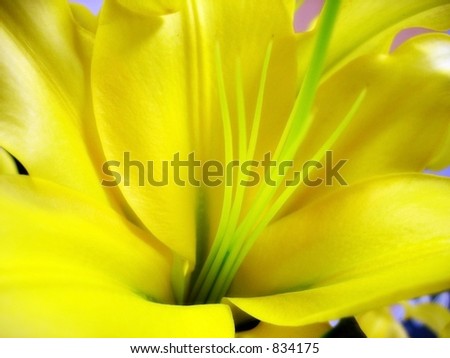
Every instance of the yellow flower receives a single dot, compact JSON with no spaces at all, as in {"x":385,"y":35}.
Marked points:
{"x":382,"y":323}
{"x":226,"y":80}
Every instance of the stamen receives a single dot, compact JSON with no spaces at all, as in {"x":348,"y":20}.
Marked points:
{"x":204,"y":281}
{"x":291,"y":139}
{"x":244,"y":154}
{"x":223,"y":239}
{"x":296,"y":123}
{"x":259,"y":103}
{"x":232,"y":242}
{"x":228,"y":138}
{"x":300,"y":119}
{"x":242,"y":127}
{"x":237,"y":256}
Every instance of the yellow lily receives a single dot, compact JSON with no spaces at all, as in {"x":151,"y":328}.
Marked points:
{"x":223,"y":79}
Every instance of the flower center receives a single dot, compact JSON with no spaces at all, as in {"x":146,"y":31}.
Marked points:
{"x":234,"y":238}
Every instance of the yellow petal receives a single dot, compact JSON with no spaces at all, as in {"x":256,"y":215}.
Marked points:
{"x":406,"y":102}
{"x":433,"y":315}
{"x":140,"y":107}
{"x":442,"y":158}
{"x":380,"y":323}
{"x":50,"y":307}
{"x":45,"y":116}
{"x":365,"y":27}
{"x":49,"y":229}
{"x":72,"y":268}
{"x":7,"y":165}
{"x":265,"y":330}
{"x":161,"y":96}
{"x":84,"y":17}
{"x":359,"y":248}
{"x":445,"y":332}
{"x":152,"y":7}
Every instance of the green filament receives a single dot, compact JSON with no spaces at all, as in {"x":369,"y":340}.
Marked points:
{"x":234,"y":240}
{"x":291,"y":139}
{"x":203,"y":281}
{"x":222,"y":242}
{"x":240,"y":190}
{"x":246,"y":155}
{"x":237,"y":256}
{"x":300,"y":118}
